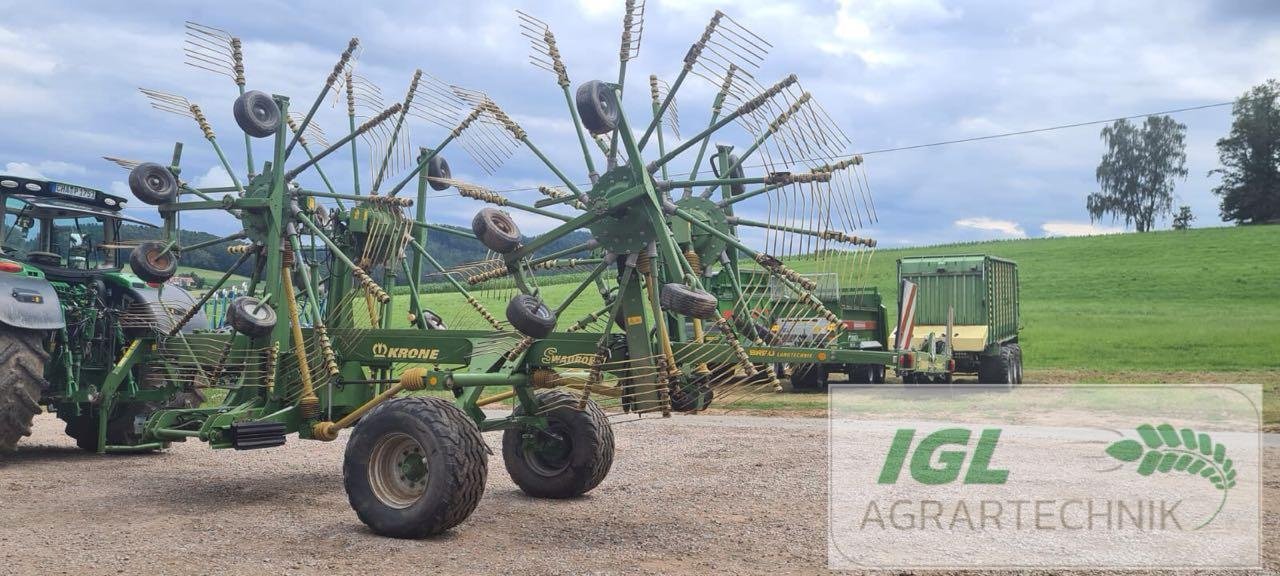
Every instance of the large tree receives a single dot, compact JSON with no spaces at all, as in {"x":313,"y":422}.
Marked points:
{"x":1250,"y":158}
{"x":1138,"y":170}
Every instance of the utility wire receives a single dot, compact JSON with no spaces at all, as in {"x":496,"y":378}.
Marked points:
{"x":946,"y":142}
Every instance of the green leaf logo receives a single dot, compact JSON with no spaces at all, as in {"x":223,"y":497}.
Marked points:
{"x":1164,"y":449}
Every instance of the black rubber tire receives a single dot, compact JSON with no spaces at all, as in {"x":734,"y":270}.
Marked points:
{"x":453,"y":451}
{"x":1017,"y":364}
{"x":22,"y":360}
{"x":153,"y":184}
{"x":530,"y":316}
{"x":257,"y":114}
{"x":877,"y":374}
{"x":590,"y":453}
{"x":433,"y":320}
{"x":808,"y":377}
{"x":690,"y":397}
{"x":438,"y":167}
{"x":595,"y":107}
{"x":997,"y":369}
{"x":151,"y":263}
{"x":681,"y":299}
{"x":241,"y":316}
{"x":121,"y":428}
{"x":496,"y":230}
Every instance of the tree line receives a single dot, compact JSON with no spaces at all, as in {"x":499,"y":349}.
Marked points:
{"x":1143,"y":162}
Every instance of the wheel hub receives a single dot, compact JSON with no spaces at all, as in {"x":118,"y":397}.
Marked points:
{"x":398,"y":470}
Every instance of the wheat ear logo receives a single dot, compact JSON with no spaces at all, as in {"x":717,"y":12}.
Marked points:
{"x":1185,"y":451}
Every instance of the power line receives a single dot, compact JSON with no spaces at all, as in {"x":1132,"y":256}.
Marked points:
{"x":950,"y":142}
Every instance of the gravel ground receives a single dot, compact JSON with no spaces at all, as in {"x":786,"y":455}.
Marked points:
{"x":705,"y":494}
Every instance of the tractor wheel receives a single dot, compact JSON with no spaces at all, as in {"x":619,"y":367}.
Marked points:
{"x":496,"y":230}
{"x":595,"y":107}
{"x":530,"y":316}
{"x":249,"y":316}
{"x":257,"y":114}
{"x":122,"y":426}
{"x":437,"y":170}
{"x":808,"y":377}
{"x":22,"y":359}
{"x":415,"y":467}
{"x":569,"y":458}
{"x":687,"y":301}
{"x":153,"y":184}
{"x":150,"y":262}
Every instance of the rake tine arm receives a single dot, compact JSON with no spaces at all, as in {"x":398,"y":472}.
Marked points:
{"x":376,"y":120}
{"x":328,"y":85}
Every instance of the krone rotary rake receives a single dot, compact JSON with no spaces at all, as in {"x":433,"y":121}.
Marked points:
{"x":348,"y":318}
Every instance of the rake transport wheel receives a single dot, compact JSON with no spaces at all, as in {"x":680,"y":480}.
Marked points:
{"x":247,"y":315}
{"x":122,"y":426}
{"x":808,"y":377}
{"x":496,"y":230}
{"x":22,"y":360}
{"x":150,"y":262}
{"x":415,"y":467}
{"x":567,"y":459}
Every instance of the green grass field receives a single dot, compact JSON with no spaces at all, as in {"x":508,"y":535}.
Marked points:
{"x":1195,"y":300}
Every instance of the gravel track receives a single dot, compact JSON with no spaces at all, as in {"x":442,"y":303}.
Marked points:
{"x":705,"y":494}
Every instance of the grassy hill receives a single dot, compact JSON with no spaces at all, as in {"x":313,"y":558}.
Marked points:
{"x":1195,"y":300}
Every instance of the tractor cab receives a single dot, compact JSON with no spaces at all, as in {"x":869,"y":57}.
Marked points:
{"x":61,"y":227}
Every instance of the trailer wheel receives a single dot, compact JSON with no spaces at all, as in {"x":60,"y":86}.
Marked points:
{"x":530,"y":316}
{"x":567,"y":459}
{"x":251,"y":317}
{"x":808,"y":377}
{"x":153,"y":184}
{"x":496,"y":230}
{"x":688,"y":301}
{"x":1017,"y":363}
{"x":257,"y":114}
{"x":22,"y":360}
{"x":150,"y":262}
{"x":415,"y":467}
{"x":997,"y":369}
{"x":596,"y":109}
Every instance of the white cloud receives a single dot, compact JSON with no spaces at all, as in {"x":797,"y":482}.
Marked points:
{"x":215,"y":177}
{"x":1001,"y":227}
{"x":43,"y":170}
{"x":1063,"y":228}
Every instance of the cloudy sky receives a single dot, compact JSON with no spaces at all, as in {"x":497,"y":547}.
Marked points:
{"x":892,"y":73}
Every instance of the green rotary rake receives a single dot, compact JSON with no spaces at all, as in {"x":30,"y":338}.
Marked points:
{"x":348,"y":317}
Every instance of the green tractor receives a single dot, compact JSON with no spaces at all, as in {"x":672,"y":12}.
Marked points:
{"x":70,"y":311}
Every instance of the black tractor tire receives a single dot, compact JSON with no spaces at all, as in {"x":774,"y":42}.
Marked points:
{"x":153,"y":184}
{"x":151,"y":263}
{"x":257,"y":114}
{"x":808,"y":377}
{"x":22,"y":360}
{"x":249,"y":316}
{"x":438,"y":170}
{"x":997,"y":369}
{"x":681,"y":299}
{"x":530,"y":316}
{"x":496,"y":230}
{"x":122,"y":427}
{"x":433,"y":320}
{"x":444,"y":442}
{"x":583,"y":463}
{"x":595,"y":107}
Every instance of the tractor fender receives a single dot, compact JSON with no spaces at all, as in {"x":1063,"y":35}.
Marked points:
{"x":175,"y":302}
{"x":30,"y":303}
